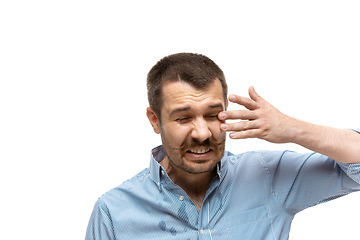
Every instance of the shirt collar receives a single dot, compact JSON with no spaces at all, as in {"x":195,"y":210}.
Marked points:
{"x":158,"y":154}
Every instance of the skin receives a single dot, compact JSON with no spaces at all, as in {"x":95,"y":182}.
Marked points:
{"x":262,"y":120}
{"x":190,"y":122}
{"x":194,"y":119}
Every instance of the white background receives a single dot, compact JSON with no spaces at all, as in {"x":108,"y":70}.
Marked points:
{"x":73,"y":95}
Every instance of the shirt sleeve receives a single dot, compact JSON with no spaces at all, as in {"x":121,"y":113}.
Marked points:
{"x":300,"y":180}
{"x":100,"y":225}
{"x":352,"y":170}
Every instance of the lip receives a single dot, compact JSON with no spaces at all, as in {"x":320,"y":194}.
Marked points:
{"x":199,"y":156}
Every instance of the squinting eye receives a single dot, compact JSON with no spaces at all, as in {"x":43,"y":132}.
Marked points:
{"x":182,"y":120}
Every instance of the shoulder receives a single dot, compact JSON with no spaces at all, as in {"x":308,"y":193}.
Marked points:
{"x":270,"y":161}
{"x":114,"y":208}
{"x":249,"y":165}
{"x":131,"y":188}
{"x":252,"y":157}
{"x":268,"y":156}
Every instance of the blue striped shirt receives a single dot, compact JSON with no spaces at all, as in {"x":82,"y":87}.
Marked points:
{"x":255,"y":195}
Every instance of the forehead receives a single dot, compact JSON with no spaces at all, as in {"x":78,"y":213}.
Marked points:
{"x":179,"y":94}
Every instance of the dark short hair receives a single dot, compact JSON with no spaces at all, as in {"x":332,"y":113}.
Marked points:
{"x":196,"y":69}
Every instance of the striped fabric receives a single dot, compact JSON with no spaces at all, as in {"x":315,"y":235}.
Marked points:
{"x":254,"y":196}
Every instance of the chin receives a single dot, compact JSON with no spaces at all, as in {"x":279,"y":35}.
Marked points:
{"x":200,"y":167}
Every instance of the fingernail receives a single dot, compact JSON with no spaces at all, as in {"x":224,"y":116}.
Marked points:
{"x":222,"y":115}
{"x":232,"y":98}
{"x":224,"y":126}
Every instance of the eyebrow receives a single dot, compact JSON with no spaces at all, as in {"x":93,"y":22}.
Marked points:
{"x":184,"y":109}
{"x":216,"y":105}
{"x":181,"y":109}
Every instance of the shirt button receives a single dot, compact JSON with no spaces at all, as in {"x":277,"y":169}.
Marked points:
{"x":202,"y":231}
{"x":162,"y":172}
{"x":181,"y":198}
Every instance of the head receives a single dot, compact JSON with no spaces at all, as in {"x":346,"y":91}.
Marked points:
{"x":197,"y":70}
{"x":186,"y":92}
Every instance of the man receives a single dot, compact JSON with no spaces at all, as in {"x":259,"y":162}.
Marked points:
{"x":194,"y":189}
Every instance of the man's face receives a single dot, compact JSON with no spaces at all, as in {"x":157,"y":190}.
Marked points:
{"x":190,"y":128}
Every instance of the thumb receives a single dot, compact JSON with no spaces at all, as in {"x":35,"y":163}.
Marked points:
{"x":253,"y":95}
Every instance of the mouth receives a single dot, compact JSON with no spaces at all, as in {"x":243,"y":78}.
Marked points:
{"x":199,"y":154}
{"x":199,"y":151}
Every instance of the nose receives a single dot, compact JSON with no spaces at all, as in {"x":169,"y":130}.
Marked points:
{"x":201,"y":131}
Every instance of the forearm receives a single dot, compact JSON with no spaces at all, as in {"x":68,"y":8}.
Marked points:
{"x":342,"y":145}
{"x":264,"y":121}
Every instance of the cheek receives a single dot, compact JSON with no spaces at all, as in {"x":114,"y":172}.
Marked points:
{"x":216,"y":132}
{"x":177,"y":134}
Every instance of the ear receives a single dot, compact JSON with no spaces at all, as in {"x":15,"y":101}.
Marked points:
{"x":154,"y":121}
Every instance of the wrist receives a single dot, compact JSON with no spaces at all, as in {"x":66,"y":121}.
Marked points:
{"x":298,"y":131}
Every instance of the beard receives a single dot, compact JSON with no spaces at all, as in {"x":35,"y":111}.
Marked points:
{"x":176,"y":155}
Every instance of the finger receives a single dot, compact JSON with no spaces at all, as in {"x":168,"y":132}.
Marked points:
{"x":244,"y":101}
{"x":254,"y":95}
{"x":237,"y":114}
{"x":239,"y":126}
{"x":252,"y":133}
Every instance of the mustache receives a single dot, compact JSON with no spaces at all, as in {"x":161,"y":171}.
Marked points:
{"x":208,"y":143}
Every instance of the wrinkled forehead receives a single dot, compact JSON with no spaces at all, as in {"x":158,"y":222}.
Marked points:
{"x":179,"y":94}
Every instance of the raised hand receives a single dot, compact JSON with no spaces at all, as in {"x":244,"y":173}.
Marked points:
{"x":260,"y":120}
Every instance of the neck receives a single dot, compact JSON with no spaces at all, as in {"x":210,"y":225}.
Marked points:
{"x":195,"y":185}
